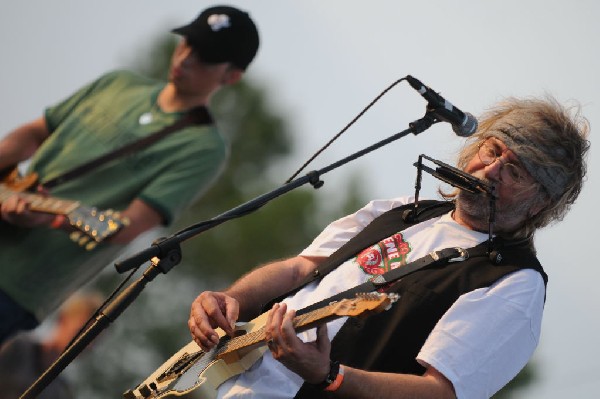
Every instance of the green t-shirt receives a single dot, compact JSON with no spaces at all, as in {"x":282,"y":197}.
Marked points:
{"x":41,"y":267}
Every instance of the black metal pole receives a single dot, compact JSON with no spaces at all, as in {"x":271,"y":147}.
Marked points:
{"x":108,"y":315}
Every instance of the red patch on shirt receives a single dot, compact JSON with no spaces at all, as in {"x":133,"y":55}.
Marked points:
{"x":370,"y":261}
{"x":386,"y":255}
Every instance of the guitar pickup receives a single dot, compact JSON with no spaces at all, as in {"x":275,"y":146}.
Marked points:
{"x":180,"y":366}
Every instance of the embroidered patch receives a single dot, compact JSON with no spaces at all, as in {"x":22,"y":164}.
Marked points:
{"x":370,"y":261}
{"x":386,"y":255}
{"x":218,"y":22}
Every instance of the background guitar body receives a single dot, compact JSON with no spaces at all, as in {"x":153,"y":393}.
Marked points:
{"x":15,"y":182}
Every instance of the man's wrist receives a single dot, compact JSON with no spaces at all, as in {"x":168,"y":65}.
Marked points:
{"x":334,"y":378}
{"x":58,"y":222}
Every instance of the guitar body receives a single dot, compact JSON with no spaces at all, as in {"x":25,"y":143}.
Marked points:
{"x":203,"y":372}
{"x":14,"y":182}
{"x":221,"y":370}
{"x":192,"y":369}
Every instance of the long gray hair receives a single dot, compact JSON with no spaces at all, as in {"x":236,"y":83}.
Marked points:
{"x":550,"y":141}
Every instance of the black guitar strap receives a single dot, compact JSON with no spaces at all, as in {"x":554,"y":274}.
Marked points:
{"x":196,"y":116}
{"x":385,"y":280}
{"x":383,"y":226}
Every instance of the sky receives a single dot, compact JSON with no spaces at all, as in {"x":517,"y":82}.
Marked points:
{"x":324,"y":61}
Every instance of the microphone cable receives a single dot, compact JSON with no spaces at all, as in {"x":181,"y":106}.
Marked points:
{"x":357,"y":117}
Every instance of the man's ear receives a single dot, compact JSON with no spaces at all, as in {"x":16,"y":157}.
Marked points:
{"x":538,"y":207}
{"x":232,"y":76}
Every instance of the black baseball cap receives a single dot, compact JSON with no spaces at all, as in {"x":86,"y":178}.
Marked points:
{"x":222,"y":34}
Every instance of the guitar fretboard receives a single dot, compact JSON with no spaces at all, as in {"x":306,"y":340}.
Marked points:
{"x":301,"y":323}
{"x":41,"y":203}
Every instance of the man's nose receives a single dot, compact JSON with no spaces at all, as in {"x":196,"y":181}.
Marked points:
{"x":492,"y":171}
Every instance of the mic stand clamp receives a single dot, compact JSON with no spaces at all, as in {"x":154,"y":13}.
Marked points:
{"x":420,"y":125}
{"x":315,"y":179}
{"x":170,"y":254}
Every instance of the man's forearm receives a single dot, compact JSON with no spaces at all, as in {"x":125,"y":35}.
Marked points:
{"x":362,"y":384}
{"x":258,"y":287}
{"x":21,"y":143}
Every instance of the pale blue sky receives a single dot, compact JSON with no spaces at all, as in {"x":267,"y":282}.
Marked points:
{"x":325,"y":60}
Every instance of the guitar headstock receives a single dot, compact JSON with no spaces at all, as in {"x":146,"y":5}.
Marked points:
{"x":94,"y":226}
{"x":372,"y":302}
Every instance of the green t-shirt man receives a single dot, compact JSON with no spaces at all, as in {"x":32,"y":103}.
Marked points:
{"x":41,"y":267}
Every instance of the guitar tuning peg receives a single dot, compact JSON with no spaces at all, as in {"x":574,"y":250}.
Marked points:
{"x":112,"y":226}
{"x":74,"y":236}
{"x":83,"y":240}
{"x":90,"y":245}
{"x":118,"y":215}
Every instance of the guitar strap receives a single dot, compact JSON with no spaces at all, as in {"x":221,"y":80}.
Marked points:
{"x":381,"y":227}
{"x":196,"y":116}
{"x":391,"y":222}
{"x":383,"y":281}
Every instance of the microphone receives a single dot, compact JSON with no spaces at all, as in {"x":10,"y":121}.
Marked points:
{"x":463,"y":123}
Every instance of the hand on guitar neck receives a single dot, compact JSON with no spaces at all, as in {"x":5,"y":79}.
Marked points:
{"x":16,"y":210}
{"x":88,"y":226}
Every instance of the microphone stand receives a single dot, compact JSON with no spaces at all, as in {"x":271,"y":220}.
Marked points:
{"x":165,"y":253}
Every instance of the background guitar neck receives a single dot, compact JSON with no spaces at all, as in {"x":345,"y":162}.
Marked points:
{"x":40,"y":203}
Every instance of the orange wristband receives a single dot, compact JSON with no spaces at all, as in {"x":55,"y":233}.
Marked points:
{"x":339,"y":378}
{"x":58,"y":222}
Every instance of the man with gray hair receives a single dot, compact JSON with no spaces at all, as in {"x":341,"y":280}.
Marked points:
{"x":460,"y":329}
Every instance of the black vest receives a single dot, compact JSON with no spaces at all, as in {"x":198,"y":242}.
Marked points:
{"x":390,"y":341}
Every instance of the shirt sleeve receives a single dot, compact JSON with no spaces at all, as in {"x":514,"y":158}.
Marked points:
{"x":488,"y":335}
{"x":57,"y":113}
{"x":340,"y":231}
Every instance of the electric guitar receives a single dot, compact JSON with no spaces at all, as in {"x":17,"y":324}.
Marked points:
{"x":193,"y":369}
{"x":93,"y":226}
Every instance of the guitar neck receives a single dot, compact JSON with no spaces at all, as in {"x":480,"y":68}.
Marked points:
{"x":40,"y":203}
{"x":91,"y":225}
{"x":301,"y":323}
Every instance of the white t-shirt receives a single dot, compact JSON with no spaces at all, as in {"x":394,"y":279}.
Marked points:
{"x":483,"y":340}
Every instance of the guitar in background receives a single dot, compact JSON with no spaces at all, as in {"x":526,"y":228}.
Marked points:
{"x":91,"y":225}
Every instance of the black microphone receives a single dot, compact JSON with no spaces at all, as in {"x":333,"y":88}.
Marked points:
{"x":463,"y":123}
